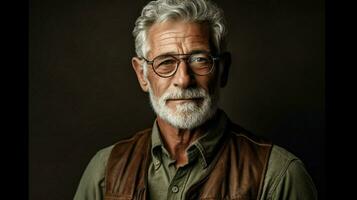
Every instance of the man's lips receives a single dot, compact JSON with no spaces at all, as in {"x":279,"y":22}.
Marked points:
{"x":183,"y":100}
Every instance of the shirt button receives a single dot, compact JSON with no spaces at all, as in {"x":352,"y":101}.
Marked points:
{"x":175,"y":189}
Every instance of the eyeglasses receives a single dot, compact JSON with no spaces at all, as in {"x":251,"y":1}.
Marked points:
{"x":165,"y":66}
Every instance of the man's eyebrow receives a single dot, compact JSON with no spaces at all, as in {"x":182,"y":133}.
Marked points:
{"x":199,"y":51}
{"x":190,"y":52}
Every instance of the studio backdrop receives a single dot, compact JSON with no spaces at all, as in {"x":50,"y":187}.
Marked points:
{"x":84,"y":95}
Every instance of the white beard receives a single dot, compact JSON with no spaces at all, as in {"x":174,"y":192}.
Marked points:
{"x":186,"y":115}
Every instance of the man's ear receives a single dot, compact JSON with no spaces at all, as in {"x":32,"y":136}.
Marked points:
{"x":139,"y":70}
{"x":225,"y":64}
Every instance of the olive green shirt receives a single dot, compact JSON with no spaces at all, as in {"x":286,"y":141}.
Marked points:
{"x":286,"y":177}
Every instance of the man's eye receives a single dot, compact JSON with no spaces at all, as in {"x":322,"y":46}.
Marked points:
{"x":199,"y":60}
{"x":166,"y":62}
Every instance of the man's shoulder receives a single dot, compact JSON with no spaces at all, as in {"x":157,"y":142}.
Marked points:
{"x":279,"y":156}
{"x":287,"y":175}
{"x":281,"y":153}
{"x":278,"y":153}
{"x":281,"y":160}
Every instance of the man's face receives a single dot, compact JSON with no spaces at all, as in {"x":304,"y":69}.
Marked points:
{"x":184,"y":100}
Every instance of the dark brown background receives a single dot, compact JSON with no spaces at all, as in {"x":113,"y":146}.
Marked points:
{"x":84,"y":95}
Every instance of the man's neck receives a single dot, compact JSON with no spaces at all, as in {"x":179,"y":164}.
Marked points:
{"x":176,"y":140}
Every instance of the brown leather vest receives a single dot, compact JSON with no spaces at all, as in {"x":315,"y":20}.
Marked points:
{"x":237,"y":171}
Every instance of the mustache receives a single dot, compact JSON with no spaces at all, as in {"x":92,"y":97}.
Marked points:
{"x":179,"y":93}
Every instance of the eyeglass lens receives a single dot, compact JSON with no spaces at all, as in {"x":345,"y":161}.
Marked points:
{"x":166,"y":65}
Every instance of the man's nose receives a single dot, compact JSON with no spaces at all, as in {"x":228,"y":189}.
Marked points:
{"x":183,"y":77}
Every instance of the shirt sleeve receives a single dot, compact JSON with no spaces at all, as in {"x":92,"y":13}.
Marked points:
{"x":287,"y":178}
{"x":92,"y":184}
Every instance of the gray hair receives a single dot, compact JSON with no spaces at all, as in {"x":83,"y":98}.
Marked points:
{"x":188,"y":10}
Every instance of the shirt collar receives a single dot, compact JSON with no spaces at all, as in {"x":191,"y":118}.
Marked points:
{"x":207,"y":144}
{"x":156,"y":145}
{"x":204,"y":147}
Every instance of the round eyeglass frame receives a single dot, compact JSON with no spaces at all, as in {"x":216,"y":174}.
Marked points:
{"x":175,"y":56}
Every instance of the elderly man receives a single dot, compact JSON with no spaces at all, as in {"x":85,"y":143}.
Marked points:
{"x":193,"y":151}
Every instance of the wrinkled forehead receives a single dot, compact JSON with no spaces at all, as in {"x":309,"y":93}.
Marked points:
{"x":178,"y":37}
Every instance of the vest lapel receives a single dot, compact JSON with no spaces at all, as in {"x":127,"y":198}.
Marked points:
{"x":127,"y":166}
